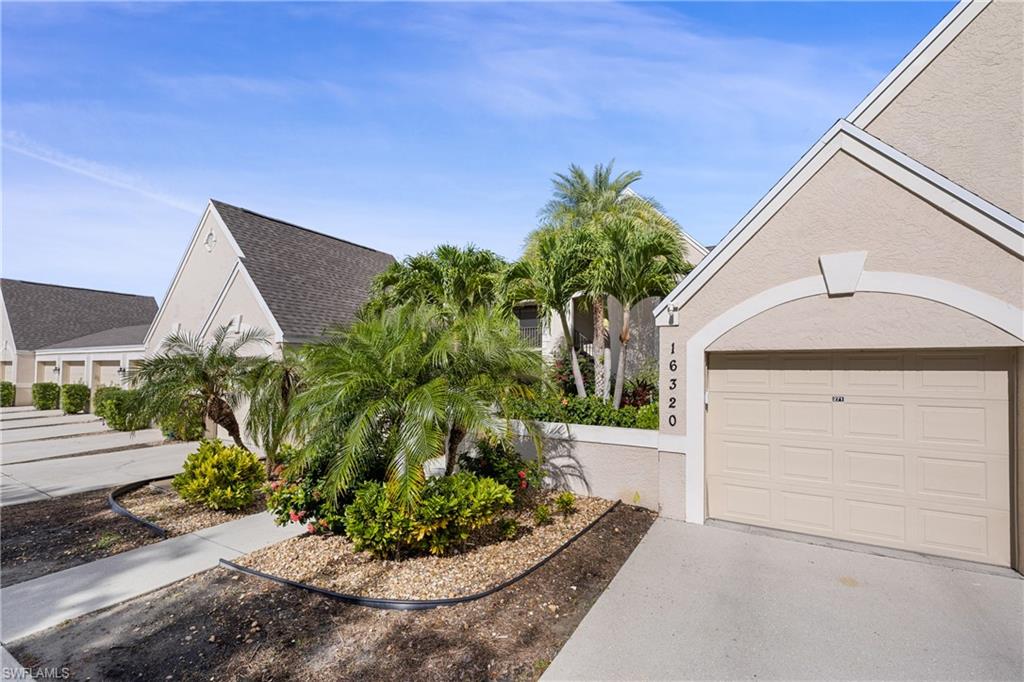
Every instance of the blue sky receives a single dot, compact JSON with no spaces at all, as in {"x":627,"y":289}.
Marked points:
{"x":400,"y":126}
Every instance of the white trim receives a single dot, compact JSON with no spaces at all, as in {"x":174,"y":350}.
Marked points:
{"x":971,"y":301}
{"x":911,"y":66}
{"x":981,"y":215}
{"x":210,"y":210}
{"x":91,"y":349}
{"x":239,"y":271}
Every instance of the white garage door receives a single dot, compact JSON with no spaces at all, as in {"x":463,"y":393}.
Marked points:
{"x":906,"y":449}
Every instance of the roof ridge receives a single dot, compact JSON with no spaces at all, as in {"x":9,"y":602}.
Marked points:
{"x":68,"y":286}
{"x":299,"y":227}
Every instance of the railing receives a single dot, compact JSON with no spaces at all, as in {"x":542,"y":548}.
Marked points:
{"x":532,"y":335}
{"x":583,"y":343}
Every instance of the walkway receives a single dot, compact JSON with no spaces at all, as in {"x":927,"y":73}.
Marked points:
{"x":36,"y":605}
{"x":699,"y":602}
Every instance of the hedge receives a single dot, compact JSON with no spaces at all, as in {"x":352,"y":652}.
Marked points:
{"x":6,"y":394}
{"x":45,"y":396}
{"x":591,"y":411}
{"x":74,"y":398}
{"x":119,"y":408}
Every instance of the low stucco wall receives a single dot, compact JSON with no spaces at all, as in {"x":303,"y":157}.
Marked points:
{"x":613,"y":463}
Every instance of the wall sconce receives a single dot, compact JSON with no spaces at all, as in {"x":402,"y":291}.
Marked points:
{"x":56,"y":371}
{"x":122,"y":372}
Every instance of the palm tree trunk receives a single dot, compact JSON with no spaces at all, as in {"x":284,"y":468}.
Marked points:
{"x":577,"y":375}
{"x":600,"y":366}
{"x":220,"y":412}
{"x":451,"y":455}
{"x":620,"y":369}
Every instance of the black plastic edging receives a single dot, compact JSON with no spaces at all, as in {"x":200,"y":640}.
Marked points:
{"x":414,"y":604}
{"x":116,"y":507}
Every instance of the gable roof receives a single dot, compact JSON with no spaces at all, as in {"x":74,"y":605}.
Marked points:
{"x":984,"y":217}
{"x":937,"y":40}
{"x":41,"y":315}
{"x":117,"y":336}
{"x":310,"y":281}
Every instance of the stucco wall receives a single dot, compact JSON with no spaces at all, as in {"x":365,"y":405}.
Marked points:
{"x":874,"y":320}
{"x":241,"y":300}
{"x":846,"y":206}
{"x":962,"y":115}
{"x":203,"y":277}
{"x":25,"y":374}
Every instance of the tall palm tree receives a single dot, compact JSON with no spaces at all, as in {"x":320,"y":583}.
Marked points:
{"x":409,"y":384}
{"x":551,"y":272}
{"x":271,"y":391}
{"x":582,"y":201}
{"x":214,"y":373}
{"x":635,"y":259}
{"x":452,"y":278}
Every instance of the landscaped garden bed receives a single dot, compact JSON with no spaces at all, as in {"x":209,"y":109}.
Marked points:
{"x":163,"y":507}
{"x":44,"y":537}
{"x":223,"y":625}
{"x":488,"y":559}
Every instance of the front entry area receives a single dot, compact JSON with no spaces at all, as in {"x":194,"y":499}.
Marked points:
{"x":904,"y":449}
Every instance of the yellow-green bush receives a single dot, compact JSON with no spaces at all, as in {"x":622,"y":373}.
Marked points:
{"x":45,"y":396}
{"x":220,"y":476}
{"x":74,"y":398}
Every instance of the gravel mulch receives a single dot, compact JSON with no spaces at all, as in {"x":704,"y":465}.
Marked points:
{"x":160,"y":505}
{"x":329,"y":561}
{"x":221,"y":625}
{"x":39,"y":538}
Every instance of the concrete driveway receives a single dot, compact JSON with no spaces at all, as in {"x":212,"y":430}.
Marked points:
{"x":701,"y":602}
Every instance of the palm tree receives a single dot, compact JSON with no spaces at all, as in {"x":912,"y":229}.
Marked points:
{"x":583,"y":201}
{"x":272,"y":389}
{"x":550,"y":274}
{"x":187,"y":368}
{"x":454,"y":279}
{"x":408,"y":384}
{"x":635,"y":259}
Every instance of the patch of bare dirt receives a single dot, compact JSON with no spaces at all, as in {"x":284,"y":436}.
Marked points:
{"x":224,"y":626}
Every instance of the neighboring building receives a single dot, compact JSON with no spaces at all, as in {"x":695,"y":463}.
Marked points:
{"x":848,"y":362}
{"x":65,"y":335}
{"x":247,"y":270}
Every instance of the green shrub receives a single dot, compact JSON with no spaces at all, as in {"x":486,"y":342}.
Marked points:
{"x":561,"y":370}
{"x":642,"y":388}
{"x":503,"y":463}
{"x":542,"y":515}
{"x":119,"y":408}
{"x":45,"y":396}
{"x":6,"y":394}
{"x":74,"y":398}
{"x":647,"y":417}
{"x":508,"y":529}
{"x":450,"y":508}
{"x":566,"y":503}
{"x":186,"y":424}
{"x":220,"y":476}
{"x":590,"y":411}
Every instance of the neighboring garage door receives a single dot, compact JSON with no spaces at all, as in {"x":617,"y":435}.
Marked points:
{"x":906,"y":449}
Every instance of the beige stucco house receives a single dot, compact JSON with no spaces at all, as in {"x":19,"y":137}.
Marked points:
{"x":848,"y":361}
{"x":67,"y":335}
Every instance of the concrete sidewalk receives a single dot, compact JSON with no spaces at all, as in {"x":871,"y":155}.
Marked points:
{"x":29,"y":481}
{"x":39,"y":604}
{"x":41,"y":432}
{"x":699,"y":602}
{"x":87,"y":444}
{"x":56,"y":420}
{"x":24,"y":411}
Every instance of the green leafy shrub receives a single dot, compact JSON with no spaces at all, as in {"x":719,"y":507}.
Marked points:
{"x":6,"y":394}
{"x":590,"y":411}
{"x":647,"y":417}
{"x":45,"y":396}
{"x":561,"y":370}
{"x":120,"y":409}
{"x":566,"y":503}
{"x":185,"y":424}
{"x":74,"y":398}
{"x":542,"y":515}
{"x":450,"y":508}
{"x":503,"y":463}
{"x":220,"y":476}
{"x":508,"y":529}
{"x":641,"y":389}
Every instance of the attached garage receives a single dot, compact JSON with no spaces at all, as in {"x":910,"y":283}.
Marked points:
{"x":905,"y":449}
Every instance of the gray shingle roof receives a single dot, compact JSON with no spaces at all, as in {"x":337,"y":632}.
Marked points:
{"x":42,"y":315}
{"x":118,"y":336}
{"x":310,"y":281}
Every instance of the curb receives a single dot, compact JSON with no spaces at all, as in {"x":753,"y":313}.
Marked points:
{"x":414,"y":604}
{"x":116,"y":507}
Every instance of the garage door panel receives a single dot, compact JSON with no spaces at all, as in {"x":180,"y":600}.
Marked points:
{"x":915,"y":454}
